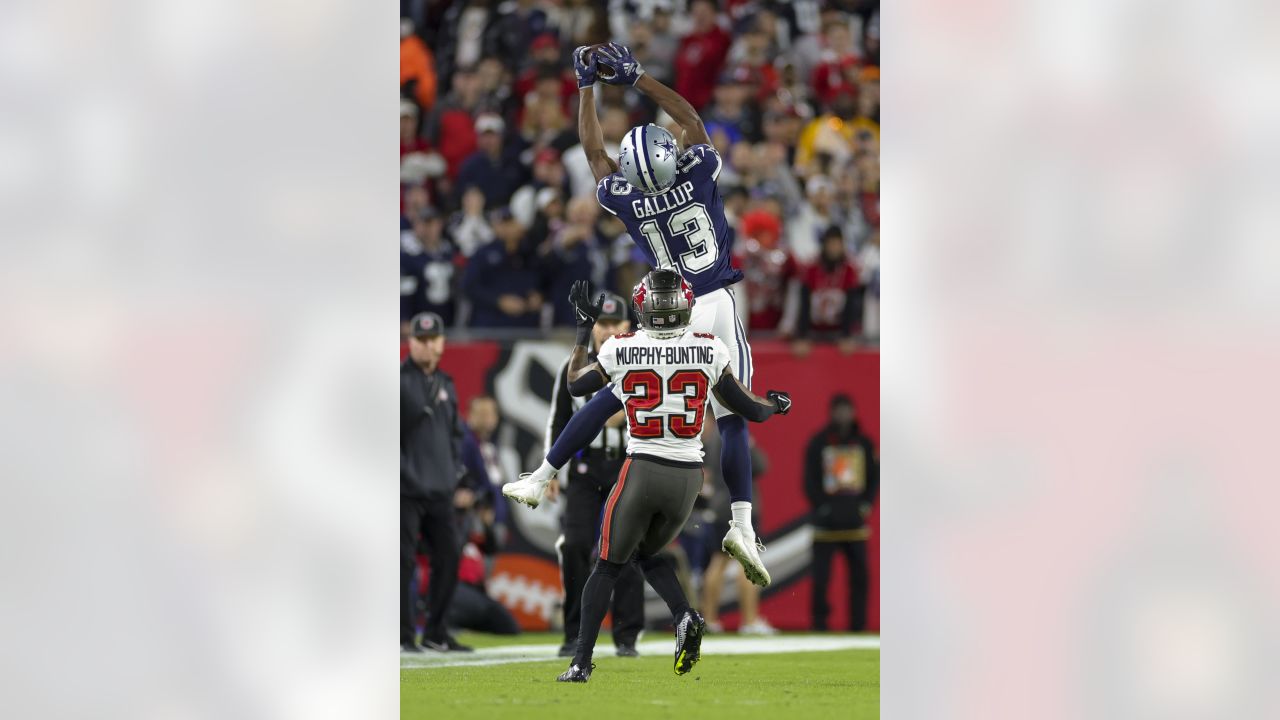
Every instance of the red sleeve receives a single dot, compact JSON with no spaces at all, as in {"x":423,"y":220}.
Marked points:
{"x":849,"y":280}
{"x":808,"y":275}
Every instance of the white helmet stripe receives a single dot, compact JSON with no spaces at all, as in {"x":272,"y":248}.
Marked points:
{"x":644,"y":143}
{"x":641,"y":159}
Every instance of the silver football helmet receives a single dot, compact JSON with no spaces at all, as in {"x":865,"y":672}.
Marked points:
{"x":648,"y":158}
{"x":664,"y":302}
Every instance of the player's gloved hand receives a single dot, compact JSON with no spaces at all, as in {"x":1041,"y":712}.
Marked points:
{"x":584,"y":66}
{"x":621,"y":67}
{"x":781,"y":401}
{"x":580,"y":298}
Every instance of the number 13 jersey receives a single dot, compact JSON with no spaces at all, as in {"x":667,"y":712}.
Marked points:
{"x":683,"y":228}
{"x":664,"y":386}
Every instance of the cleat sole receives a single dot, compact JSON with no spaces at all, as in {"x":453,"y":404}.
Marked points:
{"x":754,"y":574}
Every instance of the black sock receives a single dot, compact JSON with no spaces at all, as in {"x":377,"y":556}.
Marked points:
{"x":662,"y":577}
{"x":595,"y":605}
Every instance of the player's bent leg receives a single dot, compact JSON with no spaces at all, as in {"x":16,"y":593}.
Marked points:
{"x":735,"y":461}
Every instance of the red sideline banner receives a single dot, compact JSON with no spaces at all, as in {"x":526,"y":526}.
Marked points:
{"x":519,"y":374}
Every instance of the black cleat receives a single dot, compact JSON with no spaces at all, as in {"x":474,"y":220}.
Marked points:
{"x":628,"y":651}
{"x":689,"y":641}
{"x":447,"y":644}
{"x":568,"y":649}
{"x":410,"y":647}
{"x":576,"y":674}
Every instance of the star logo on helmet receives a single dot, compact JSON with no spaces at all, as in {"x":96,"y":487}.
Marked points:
{"x":667,"y":145}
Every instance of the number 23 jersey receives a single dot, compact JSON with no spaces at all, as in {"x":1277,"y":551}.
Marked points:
{"x":683,"y":228}
{"x":664,"y":386}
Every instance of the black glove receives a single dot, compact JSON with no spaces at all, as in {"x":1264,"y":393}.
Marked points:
{"x":580,"y":297}
{"x":781,"y":401}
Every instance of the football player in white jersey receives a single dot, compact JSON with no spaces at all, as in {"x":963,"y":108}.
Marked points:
{"x":663,"y":376}
{"x":670,"y":203}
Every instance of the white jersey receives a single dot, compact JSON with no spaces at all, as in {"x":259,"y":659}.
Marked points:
{"x":665,"y":386}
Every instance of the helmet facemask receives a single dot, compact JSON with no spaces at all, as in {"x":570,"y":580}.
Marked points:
{"x":664,"y":303}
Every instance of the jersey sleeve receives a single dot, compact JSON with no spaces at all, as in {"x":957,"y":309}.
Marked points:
{"x":606,"y":357}
{"x":701,"y":161}
{"x":720,"y":359}
{"x":612,"y":192}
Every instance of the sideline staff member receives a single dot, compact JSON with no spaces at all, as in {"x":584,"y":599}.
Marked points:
{"x":588,"y":479}
{"x":430,"y":466}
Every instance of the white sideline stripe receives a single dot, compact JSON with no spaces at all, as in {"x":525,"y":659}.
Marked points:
{"x":659,"y":648}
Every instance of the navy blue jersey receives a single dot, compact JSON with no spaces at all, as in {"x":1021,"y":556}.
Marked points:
{"x":683,"y":228}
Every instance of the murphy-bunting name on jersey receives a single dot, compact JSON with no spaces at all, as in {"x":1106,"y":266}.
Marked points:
{"x":651,"y":205}
{"x":668,"y":355}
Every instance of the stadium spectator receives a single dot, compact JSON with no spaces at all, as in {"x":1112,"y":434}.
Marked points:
{"x":614,"y":124}
{"x":545,"y":54}
{"x":502,"y":281}
{"x":427,"y":263}
{"x":469,"y":227}
{"x":701,"y":54}
{"x":663,"y":43}
{"x":413,"y":201}
{"x":451,"y":126}
{"x":841,"y":480}
{"x":752,"y":52}
{"x":494,"y":81}
{"x":816,"y":214}
{"x":769,"y":271}
{"x":417,"y":67}
{"x":430,"y":460}
{"x":573,"y":253}
{"x":730,"y":109}
{"x":493,"y":167}
{"x":548,"y":172}
{"x":543,"y":118}
{"x":838,"y":66}
{"x":483,"y":417}
{"x":830,"y":294}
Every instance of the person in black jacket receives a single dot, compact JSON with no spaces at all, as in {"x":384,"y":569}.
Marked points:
{"x":430,"y":459}
{"x":841,"y":480}
{"x":589,"y":478}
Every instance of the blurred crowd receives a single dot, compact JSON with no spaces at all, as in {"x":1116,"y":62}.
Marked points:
{"x":498,"y":214}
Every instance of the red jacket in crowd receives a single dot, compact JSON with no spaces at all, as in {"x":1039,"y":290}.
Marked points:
{"x":698,"y":63}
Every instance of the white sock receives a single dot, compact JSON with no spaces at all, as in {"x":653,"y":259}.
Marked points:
{"x":544,"y":472}
{"x":741,"y":513}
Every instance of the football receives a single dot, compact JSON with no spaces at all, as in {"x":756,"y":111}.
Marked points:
{"x":602,"y":70}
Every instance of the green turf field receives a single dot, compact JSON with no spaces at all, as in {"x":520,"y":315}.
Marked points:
{"x":747,"y":679}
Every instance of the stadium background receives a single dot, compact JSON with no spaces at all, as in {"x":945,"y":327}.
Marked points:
{"x":489,"y":151}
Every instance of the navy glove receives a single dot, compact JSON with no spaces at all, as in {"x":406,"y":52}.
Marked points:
{"x":618,"y":65}
{"x":584,"y":66}
{"x":781,"y":401}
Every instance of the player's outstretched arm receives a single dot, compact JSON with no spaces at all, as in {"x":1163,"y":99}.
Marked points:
{"x":623,"y":69}
{"x":583,"y":377}
{"x":742,"y":401}
{"x":589,"y":133}
{"x":678,"y":108}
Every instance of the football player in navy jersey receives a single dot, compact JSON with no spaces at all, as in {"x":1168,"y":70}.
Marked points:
{"x":671,"y":206}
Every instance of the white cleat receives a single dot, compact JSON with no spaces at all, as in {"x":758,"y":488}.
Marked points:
{"x":741,"y":543}
{"x":526,"y":490}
